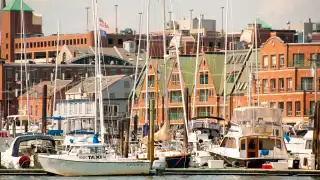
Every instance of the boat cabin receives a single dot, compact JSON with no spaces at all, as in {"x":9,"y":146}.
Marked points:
{"x":88,"y":151}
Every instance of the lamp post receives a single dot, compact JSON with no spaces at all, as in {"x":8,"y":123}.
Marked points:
{"x":116,"y":9}
{"x":191,"y":10}
{"x":222,"y":21}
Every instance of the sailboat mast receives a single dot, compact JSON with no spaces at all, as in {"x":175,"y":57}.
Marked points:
{"x":136,"y":71}
{"x":257,"y":65}
{"x":95,"y":67}
{"x":180,"y":78}
{"x":225,"y":68}
{"x":99,"y":74}
{"x":165,"y":58}
{"x":147,"y":63}
{"x":196,"y":70}
{"x":56,"y":69}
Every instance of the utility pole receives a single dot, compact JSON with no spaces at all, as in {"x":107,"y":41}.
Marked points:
{"x":116,"y":8}
{"x":222,"y":21}
{"x":87,"y":25}
{"x":191,"y":19}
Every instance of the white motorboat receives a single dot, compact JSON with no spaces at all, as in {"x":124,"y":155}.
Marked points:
{"x":254,"y":137}
{"x":21,"y":150}
{"x":92,"y":160}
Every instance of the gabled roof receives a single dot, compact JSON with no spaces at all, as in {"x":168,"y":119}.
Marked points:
{"x":88,"y":85}
{"x":37,"y":90}
{"x":15,"y":5}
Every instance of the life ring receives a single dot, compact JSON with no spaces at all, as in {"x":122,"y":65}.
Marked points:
{"x":24,"y":162}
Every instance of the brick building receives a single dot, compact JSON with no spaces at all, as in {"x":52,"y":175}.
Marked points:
{"x":286,"y":77}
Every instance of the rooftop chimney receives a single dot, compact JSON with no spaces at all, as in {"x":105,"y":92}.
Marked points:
{"x":3,"y":4}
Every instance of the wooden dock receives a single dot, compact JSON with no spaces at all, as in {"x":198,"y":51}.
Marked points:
{"x":26,"y":172}
{"x":190,"y":171}
{"x":240,"y":171}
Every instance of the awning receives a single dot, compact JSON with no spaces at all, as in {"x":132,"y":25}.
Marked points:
{"x":57,"y":118}
{"x":292,"y":120}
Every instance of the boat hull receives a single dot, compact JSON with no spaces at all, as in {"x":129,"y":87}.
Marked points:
{"x":65,"y":167}
{"x":249,"y":163}
{"x":178,"y":161}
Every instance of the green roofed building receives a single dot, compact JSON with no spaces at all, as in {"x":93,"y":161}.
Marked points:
{"x":210,"y":85}
{"x":15,"y":5}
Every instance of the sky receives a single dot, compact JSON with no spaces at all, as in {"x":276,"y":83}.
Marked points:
{"x":72,"y":13}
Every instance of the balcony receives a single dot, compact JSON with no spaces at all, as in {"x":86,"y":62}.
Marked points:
{"x":116,"y":114}
{"x":265,"y":68}
{"x":203,"y":98}
{"x":176,"y":99}
{"x":175,"y":116}
{"x":274,"y":67}
{"x":289,"y":89}
{"x":289,"y":113}
{"x":203,"y":114}
{"x":273,"y":90}
{"x":281,"y":89}
{"x":298,"y":113}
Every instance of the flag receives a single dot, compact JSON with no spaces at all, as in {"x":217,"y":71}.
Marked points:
{"x":103,"y":28}
{"x":287,"y":137}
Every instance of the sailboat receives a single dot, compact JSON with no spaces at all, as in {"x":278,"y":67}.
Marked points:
{"x":93,"y":159}
{"x":171,"y":150}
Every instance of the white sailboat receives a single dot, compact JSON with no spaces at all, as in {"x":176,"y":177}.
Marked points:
{"x":93,"y":159}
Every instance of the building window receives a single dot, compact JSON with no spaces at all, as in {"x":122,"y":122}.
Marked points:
{"x":9,"y":73}
{"x":175,"y":78}
{"x":7,"y":46}
{"x":41,"y":44}
{"x":38,"y":44}
{"x":45,"y":44}
{"x":203,"y":95}
{"x":35,"y":44}
{"x":298,"y":60}
{"x":306,"y":83}
{"x":78,"y":41}
{"x":31,"y":45}
{"x":16,"y":46}
{"x":211,"y":92}
{"x":273,"y":85}
{"x":7,"y":35}
{"x":281,"y":61}
{"x":211,"y":44}
{"x":312,"y":107}
{"x":7,"y":56}
{"x":289,"y":84}
{"x":151,"y":81}
{"x":85,"y":41}
{"x":110,"y":41}
{"x":265,"y":85}
{"x":281,"y":105}
{"x":298,"y":108}
{"x":274,"y":62}
{"x":74,"y":41}
{"x":281,"y":84}
{"x":203,"y":77}
{"x":81,"y":41}
{"x":289,"y":108}
{"x":64,"y":57}
{"x":175,"y":97}
{"x":265,"y":62}
{"x":88,"y":108}
{"x":120,"y":41}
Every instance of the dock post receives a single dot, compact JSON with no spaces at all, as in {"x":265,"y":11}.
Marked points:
{"x":126,"y":147}
{"x":315,"y":143}
{"x":121,"y":137}
{"x":151,"y":133}
{"x":44,"y":110}
{"x":185,"y":137}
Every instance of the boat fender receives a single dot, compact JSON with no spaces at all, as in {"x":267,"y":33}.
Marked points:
{"x":24,"y":162}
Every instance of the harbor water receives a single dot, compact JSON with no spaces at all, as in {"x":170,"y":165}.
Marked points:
{"x":209,"y":177}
